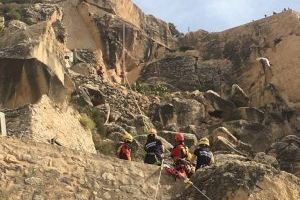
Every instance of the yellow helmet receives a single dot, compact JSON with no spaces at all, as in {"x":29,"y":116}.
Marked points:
{"x":204,"y":141}
{"x":152,"y":131}
{"x":127,"y":137}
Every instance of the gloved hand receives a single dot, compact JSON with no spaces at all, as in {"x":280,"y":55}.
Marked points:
{"x":187,"y":181}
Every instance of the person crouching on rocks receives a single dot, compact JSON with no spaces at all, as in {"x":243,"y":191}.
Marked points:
{"x":124,"y":151}
{"x":204,"y":156}
{"x":154,"y":148}
{"x":181,"y":156}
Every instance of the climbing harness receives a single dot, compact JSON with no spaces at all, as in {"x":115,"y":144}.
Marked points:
{"x":158,"y":182}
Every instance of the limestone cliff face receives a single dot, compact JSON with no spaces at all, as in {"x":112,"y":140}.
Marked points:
{"x":218,"y":60}
{"x":32,"y":61}
{"x":55,"y":40}
{"x":43,"y":122}
{"x":146,"y":37}
{"x":275,"y":37}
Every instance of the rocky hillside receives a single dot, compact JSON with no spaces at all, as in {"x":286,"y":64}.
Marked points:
{"x":67,"y":106}
{"x":38,"y":171}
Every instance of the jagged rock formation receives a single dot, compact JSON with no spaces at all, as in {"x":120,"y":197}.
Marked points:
{"x":146,"y":37}
{"x":32,"y":60}
{"x":64,"y":91}
{"x":54,"y":172}
{"x":234,"y":52}
{"x":237,"y":178}
{"x":58,"y":173}
{"x":43,"y":122}
{"x":287,"y":152}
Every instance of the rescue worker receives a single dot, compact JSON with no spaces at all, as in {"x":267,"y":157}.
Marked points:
{"x":124,"y":151}
{"x":181,"y":156}
{"x":154,"y":148}
{"x":204,"y":156}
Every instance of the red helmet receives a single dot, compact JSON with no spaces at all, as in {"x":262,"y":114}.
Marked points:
{"x":179,"y":137}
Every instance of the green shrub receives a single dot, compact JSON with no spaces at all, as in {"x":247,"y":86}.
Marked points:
{"x":14,"y":15}
{"x":87,"y":122}
{"x":99,"y":120}
{"x":12,"y":11}
{"x":147,"y":89}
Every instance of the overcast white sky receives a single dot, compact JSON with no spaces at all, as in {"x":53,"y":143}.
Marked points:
{"x":213,"y":15}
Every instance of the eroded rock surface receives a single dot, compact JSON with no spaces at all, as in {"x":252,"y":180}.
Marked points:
{"x":46,"y":171}
{"x":237,"y":178}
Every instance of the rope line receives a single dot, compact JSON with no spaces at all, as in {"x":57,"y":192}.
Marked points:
{"x":190,"y":182}
{"x":127,"y":82}
{"x":158,"y":182}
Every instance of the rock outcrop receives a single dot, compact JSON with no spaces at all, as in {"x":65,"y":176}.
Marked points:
{"x":204,"y":60}
{"x":32,"y":60}
{"x":287,"y":152}
{"x":234,"y":177}
{"x":35,"y":170}
{"x":146,"y":37}
{"x":43,"y":122}
{"x":64,"y":93}
{"x":186,"y":72}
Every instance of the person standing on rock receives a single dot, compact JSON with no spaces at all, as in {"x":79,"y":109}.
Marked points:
{"x":124,"y":151}
{"x":204,"y":156}
{"x":154,"y":148}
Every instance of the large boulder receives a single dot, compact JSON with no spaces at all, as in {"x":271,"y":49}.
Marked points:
{"x":96,"y":96}
{"x":32,"y":61}
{"x":47,"y":123}
{"x":222,"y":107}
{"x":188,"y":111}
{"x":18,"y":86}
{"x":249,"y":114}
{"x":142,"y":124}
{"x":287,"y":152}
{"x":262,"y":157}
{"x":166,"y":113}
{"x":222,"y":140}
{"x":238,"y":96}
{"x":259,"y":136}
{"x":180,"y":110}
{"x":233,"y":177}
